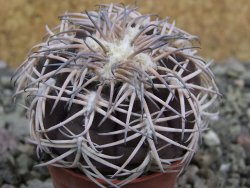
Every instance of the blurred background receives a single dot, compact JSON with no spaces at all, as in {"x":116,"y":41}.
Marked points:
{"x":223,"y":27}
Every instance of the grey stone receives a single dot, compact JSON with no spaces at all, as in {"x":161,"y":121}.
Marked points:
{"x":235,"y":68}
{"x":211,"y":138}
{"x":200,"y":183}
{"x":7,"y":186}
{"x":248,"y":112}
{"x":225,"y":167}
{"x":20,"y":128}
{"x":26,"y":148}
{"x":1,"y":111}
{"x":7,"y":100}
{"x":5,"y":80}
{"x":17,"y":124}
{"x":3,"y":65}
{"x":234,"y":180}
{"x":42,"y":172}
{"x":9,"y":176}
{"x":234,"y":132}
{"x":24,"y":164}
{"x":35,"y":183}
{"x":238,"y":151}
{"x":191,"y":173}
{"x":7,"y":141}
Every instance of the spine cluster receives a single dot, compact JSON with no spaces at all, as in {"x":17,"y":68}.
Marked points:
{"x":117,"y":94}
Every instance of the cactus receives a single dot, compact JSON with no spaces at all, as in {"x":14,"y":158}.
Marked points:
{"x":116,"y":94}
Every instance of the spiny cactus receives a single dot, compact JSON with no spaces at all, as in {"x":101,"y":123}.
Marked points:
{"x":116,"y":94}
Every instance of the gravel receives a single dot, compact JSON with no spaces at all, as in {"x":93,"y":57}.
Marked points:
{"x":211,"y":139}
{"x":223,"y":160}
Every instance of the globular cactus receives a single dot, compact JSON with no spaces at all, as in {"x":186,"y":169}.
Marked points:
{"x":117,"y":94}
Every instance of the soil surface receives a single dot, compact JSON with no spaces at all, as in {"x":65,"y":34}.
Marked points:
{"x":223,"y":160}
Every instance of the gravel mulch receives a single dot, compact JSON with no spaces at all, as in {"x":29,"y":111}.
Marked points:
{"x":223,"y":160}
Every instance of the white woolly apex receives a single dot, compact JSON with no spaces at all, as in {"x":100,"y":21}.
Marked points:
{"x":144,"y":61}
{"x":120,"y":50}
{"x":131,"y":32}
{"x":91,"y":102}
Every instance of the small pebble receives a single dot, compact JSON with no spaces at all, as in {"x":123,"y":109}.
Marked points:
{"x":211,"y":138}
{"x":7,"y":186}
{"x":35,"y":183}
{"x":24,"y":164}
{"x":225,"y":167}
{"x":5,"y":80}
{"x":3,"y":65}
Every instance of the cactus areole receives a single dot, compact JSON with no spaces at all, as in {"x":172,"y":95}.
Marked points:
{"x":116,"y":94}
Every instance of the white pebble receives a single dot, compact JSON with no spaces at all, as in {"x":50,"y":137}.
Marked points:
{"x":225,"y":167}
{"x":3,"y":65}
{"x":211,"y":138}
